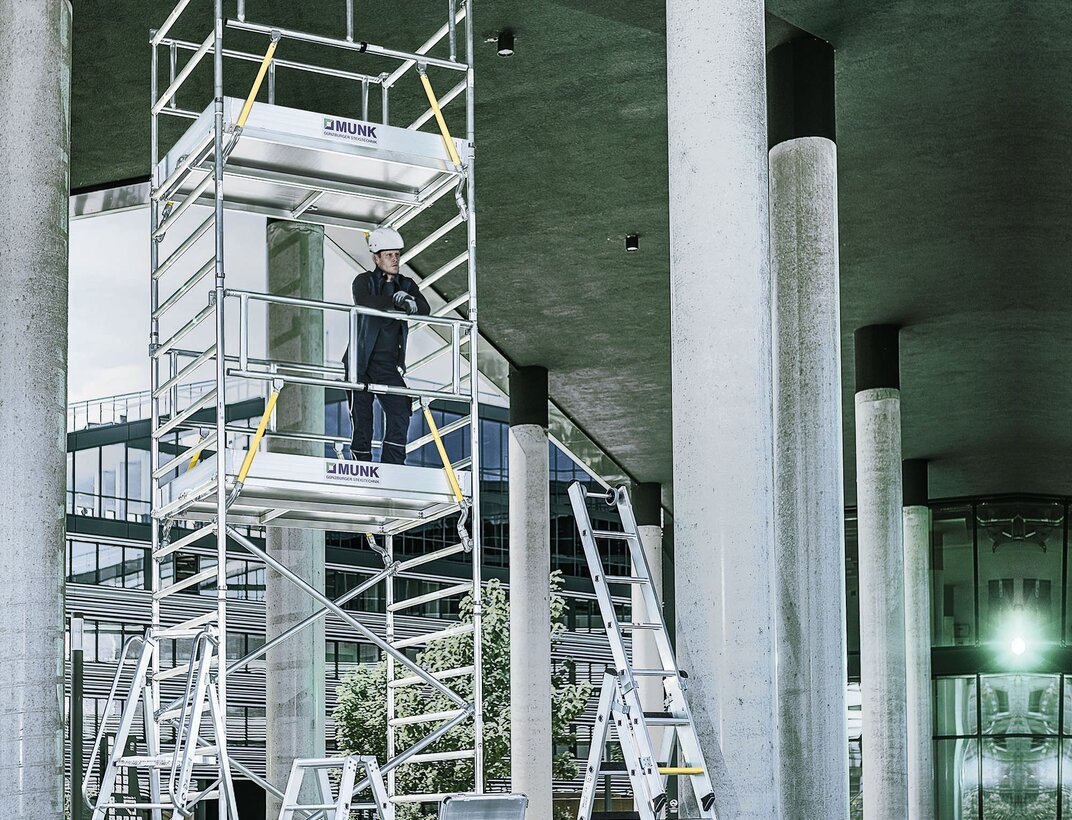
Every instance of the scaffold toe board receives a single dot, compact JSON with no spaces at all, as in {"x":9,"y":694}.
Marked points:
{"x":287,"y":490}
{"x":301,"y":164}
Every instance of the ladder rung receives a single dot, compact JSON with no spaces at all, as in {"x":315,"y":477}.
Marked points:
{"x":626,"y":579}
{"x":446,"y":592}
{"x":200,"y":577}
{"x":429,"y":717}
{"x":464,"y":629}
{"x":636,"y":626}
{"x":186,"y":540}
{"x":436,"y":757}
{"x":664,"y":719}
{"x":435,"y":555}
{"x":188,"y":628}
{"x":183,"y":331}
{"x":620,"y":536}
{"x":187,"y":369}
{"x":179,"y":418}
{"x":654,"y":673}
{"x":680,"y":770}
{"x":184,"y":288}
{"x":446,"y":674}
{"x":310,"y":807}
{"x":136,"y":806}
{"x":185,"y":456}
{"x":176,"y":671}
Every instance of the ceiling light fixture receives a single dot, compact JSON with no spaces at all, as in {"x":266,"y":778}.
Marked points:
{"x":632,"y":243}
{"x":506,"y":43}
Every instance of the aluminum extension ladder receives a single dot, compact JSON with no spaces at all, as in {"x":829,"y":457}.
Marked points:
{"x":171,"y":772}
{"x":620,"y":703}
{"x":334,"y":804}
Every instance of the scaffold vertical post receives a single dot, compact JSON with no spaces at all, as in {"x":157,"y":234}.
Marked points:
{"x":474,"y":418}
{"x":152,"y":729}
{"x":221,"y":380}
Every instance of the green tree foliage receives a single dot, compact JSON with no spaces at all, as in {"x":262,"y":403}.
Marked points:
{"x":361,"y":713}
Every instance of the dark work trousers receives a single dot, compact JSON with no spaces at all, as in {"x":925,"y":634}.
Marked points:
{"x":396,"y":410}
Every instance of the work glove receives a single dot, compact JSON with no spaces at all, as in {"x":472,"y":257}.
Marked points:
{"x":403,"y":301}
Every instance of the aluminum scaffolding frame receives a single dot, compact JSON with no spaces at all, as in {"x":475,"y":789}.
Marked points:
{"x":207,"y":480}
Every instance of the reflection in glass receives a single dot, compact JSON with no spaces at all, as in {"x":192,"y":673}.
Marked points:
{"x":1020,"y":555}
{"x":953,"y":576}
{"x":956,"y":778}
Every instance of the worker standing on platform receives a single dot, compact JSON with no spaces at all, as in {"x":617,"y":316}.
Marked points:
{"x":381,"y":348}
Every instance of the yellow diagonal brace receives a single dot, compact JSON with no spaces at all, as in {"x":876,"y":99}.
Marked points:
{"x":447,"y":468}
{"x":267,"y":61}
{"x":194,"y":460}
{"x":255,"y":443}
{"x":432,"y":101}
{"x":680,"y":770}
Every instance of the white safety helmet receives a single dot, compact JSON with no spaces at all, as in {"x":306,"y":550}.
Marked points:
{"x":385,"y":239}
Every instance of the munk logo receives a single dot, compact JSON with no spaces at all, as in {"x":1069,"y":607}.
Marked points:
{"x":349,"y":130}
{"x":353,"y":472}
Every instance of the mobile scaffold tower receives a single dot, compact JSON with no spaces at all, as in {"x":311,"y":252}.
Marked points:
{"x":336,"y":169}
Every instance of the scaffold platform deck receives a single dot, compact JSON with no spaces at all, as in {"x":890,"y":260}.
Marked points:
{"x":286,"y":490}
{"x":330,"y":169}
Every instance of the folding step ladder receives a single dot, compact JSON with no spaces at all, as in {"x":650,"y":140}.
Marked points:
{"x":170,"y":771}
{"x":334,"y":804}
{"x":620,"y":702}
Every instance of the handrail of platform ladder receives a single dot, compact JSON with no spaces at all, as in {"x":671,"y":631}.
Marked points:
{"x":108,"y":703}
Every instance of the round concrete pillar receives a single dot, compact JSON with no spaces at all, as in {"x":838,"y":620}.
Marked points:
{"x":647,"y":509}
{"x":882,"y":592}
{"x":295,"y":704}
{"x":35,"y":85}
{"x":531,"y":744}
{"x":809,"y":521}
{"x":917,"y":552}
{"x":720,"y":307}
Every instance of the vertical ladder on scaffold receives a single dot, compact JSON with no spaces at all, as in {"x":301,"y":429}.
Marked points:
{"x":620,"y":703}
{"x":203,"y":169}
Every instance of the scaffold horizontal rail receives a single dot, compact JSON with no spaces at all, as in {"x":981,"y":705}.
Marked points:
{"x":188,"y":202}
{"x":197,"y":578}
{"x":198,"y":404}
{"x":185,"y":541}
{"x":191,"y":626}
{"x":446,"y":592}
{"x":428,"y":717}
{"x":184,"y":331}
{"x":446,"y":674}
{"x":439,"y":757}
{"x":186,"y":244}
{"x":428,"y":557}
{"x":185,"y":288}
{"x":185,"y":456}
{"x":430,"y":637}
{"x":194,"y":158}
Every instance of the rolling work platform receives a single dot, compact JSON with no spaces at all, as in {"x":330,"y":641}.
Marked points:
{"x":210,"y":480}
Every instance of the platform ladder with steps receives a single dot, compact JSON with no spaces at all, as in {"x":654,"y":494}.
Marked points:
{"x":620,"y":705}
{"x":334,"y":802}
{"x":170,"y":765}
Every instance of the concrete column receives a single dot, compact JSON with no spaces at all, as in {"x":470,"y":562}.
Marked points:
{"x":531,"y":745}
{"x":882,"y":598}
{"x":917,"y":551}
{"x":35,"y":84}
{"x":720,"y":304}
{"x":295,"y":669}
{"x":647,"y":508}
{"x":809,"y":482}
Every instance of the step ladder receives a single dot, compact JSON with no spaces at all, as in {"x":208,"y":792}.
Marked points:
{"x":620,"y":702}
{"x":170,"y":771}
{"x":315,"y":775}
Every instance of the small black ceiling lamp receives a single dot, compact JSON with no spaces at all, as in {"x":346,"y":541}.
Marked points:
{"x":632,"y":243}
{"x":506,"y":43}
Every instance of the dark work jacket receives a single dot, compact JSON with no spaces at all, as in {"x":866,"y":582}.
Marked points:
{"x":368,"y":292}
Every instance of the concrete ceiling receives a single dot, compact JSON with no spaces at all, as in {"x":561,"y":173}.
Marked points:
{"x":953,"y":160}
